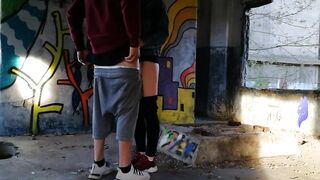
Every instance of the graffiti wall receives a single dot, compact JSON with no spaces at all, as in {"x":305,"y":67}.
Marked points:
{"x":44,"y":90}
{"x":177,"y":66}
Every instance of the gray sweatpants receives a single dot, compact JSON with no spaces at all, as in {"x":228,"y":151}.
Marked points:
{"x":116,"y":99}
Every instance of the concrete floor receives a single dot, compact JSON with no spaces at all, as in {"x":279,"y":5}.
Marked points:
{"x":69,"y":157}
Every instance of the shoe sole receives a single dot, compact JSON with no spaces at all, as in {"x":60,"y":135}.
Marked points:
{"x":99,"y":177}
{"x":120,"y":179}
{"x":152,"y":169}
{"x":94,"y":177}
{"x":127,"y":178}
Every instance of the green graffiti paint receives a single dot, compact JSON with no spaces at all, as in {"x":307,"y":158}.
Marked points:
{"x":10,"y":7}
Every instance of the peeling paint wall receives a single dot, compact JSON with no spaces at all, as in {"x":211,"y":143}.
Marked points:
{"x":288,"y":110}
{"x":44,"y":90}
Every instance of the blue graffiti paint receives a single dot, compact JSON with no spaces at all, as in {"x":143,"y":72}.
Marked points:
{"x":9,"y":59}
{"x":34,"y":11}
{"x":23,"y":31}
{"x":303,"y":111}
{"x":167,"y":87}
{"x":190,"y":149}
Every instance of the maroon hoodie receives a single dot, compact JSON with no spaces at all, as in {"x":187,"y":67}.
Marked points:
{"x":109,"y":23}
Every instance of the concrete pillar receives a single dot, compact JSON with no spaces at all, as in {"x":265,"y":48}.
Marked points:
{"x":220,"y":55}
{"x":203,"y":57}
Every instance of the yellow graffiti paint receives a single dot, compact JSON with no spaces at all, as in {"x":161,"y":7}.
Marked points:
{"x":180,"y":12}
{"x":56,"y":53}
{"x":168,"y":64}
{"x":185,"y":116}
{"x":190,"y":79}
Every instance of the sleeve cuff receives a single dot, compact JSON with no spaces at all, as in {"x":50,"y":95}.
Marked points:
{"x":134,"y":43}
{"x":80,"y":47}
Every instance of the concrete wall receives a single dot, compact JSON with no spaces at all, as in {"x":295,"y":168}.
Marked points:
{"x":287,"y":110}
{"x":282,"y":76}
{"x":44,"y":90}
{"x":284,"y":54}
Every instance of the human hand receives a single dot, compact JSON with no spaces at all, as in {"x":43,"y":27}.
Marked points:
{"x":82,"y":57}
{"x":141,"y":42}
{"x":133,"y":54}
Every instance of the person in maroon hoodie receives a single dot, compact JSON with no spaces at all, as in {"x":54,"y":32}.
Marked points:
{"x":113,"y":30}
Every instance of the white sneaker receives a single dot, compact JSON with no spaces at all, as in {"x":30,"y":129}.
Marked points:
{"x":133,"y":174}
{"x":97,"y":172}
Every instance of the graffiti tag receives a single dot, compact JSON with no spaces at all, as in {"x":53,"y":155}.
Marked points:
{"x":179,"y":145}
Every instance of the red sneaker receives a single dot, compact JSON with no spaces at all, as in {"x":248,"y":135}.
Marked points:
{"x":136,"y":157}
{"x":143,"y":164}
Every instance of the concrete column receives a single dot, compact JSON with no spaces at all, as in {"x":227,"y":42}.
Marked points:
{"x":319,"y":55}
{"x":218,"y":56}
{"x":221,"y":55}
{"x":218,"y":62}
{"x":319,"y":40}
{"x":203,"y":57}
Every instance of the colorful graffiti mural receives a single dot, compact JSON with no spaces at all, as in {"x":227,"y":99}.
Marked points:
{"x":176,"y":104}
{"x":178,"y":145}
{"x":36,"y":62}
{"x":74,"y":80}
{"x":177,"y":94}
{"x":56,"y":52}
{"x":21,"y":23}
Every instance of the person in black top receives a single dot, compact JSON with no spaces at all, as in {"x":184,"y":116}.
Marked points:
{"x":154,"y":31}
